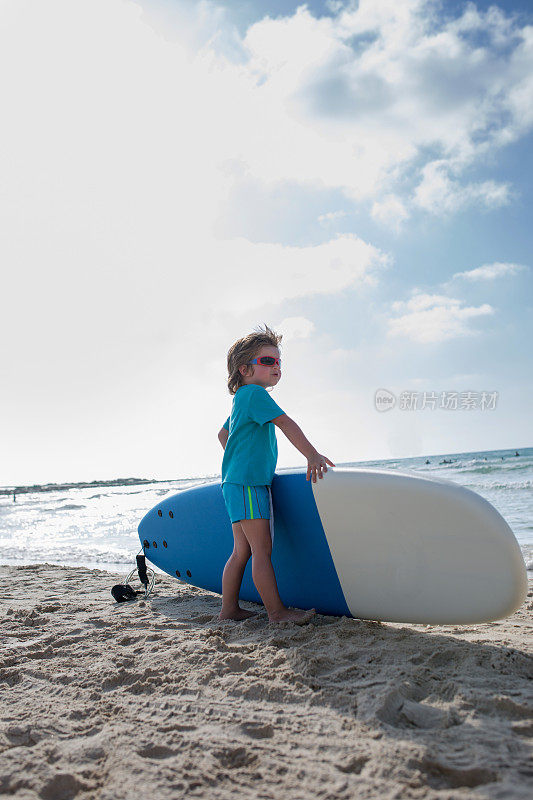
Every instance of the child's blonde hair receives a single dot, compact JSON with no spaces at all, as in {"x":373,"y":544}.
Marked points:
{"x":245,"y":350}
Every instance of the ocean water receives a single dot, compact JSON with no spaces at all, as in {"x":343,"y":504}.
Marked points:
{"x":96,"y":526}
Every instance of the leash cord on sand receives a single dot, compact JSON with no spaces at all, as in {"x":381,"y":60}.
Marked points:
{"x":143,"y":571}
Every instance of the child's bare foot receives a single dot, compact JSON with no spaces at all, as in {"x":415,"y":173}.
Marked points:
{"x":237,"y":614}
{"x":295,"y":615}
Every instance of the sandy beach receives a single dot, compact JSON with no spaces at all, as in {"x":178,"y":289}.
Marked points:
{"x":159,"y":699}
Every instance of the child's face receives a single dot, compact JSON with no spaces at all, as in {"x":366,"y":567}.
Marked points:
{"x":260,"y":374}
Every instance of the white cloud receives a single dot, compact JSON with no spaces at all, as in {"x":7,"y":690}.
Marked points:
{"x":490,"y":271}
{"x":331,"y":216}
{"x":390,"y":211}
{"x":433,"y":318}
{"x":295,"y":328}
{"x":439,"y":193}
{"x":382,"y":100}
{"x":292,"y":272}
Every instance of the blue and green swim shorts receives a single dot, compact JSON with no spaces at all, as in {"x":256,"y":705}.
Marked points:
{"x":248,"y":502}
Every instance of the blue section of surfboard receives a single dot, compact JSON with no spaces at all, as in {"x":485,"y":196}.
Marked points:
{"x":191,"y":534}
{"x":372,"y":544}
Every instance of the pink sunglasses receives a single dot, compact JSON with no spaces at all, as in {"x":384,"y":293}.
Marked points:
{"x":266,"y":361}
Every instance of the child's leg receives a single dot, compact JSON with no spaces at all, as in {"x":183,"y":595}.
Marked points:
{"x":232,"y":576}
{"x":257,"y":532}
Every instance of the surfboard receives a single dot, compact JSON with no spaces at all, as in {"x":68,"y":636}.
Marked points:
{"x":364,"y":543}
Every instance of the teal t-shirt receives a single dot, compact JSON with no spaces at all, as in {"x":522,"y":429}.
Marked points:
{"x":251,"y":452}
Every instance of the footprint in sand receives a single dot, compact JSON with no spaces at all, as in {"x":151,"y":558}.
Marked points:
{"x":257,"y":730}
{"x":446,"y":776}
{"x":63,"y":785}
{"x":235,"y":757}
{"x":157,"y":751}
{"x":354,"y":764}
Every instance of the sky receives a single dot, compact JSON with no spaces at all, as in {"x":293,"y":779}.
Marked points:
{"x":355,"y":175}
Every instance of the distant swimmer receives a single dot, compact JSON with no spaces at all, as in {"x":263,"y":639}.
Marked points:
{"x":428,"y":461}
{"x":517,"y":453}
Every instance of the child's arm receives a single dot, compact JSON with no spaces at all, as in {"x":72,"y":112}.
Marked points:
{"x":295,"y":435}
{"x":223,"y":435}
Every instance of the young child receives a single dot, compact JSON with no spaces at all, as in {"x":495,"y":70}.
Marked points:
{"x":250,"y":456}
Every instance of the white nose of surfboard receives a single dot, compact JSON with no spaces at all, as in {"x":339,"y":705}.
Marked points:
{"x":408,"y":548}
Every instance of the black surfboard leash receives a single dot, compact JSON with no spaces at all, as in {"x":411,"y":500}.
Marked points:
{"x":123,"y":591}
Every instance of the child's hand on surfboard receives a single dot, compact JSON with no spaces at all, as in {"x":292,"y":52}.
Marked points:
{"x":315,"y":464}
